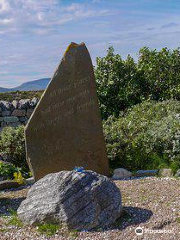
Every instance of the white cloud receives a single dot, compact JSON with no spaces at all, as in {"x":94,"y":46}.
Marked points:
{"x":80,"y":11}
{"x":34,"y":33}
{"x":34,"y":15}
{"x":4,"y":6}
{"x":6,"y":21}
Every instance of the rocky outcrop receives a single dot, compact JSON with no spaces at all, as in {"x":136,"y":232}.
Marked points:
{"x":165,"y":172}
{"x":16,"y":113}
{"x":80,"y":200}
{"x":121,"y":173}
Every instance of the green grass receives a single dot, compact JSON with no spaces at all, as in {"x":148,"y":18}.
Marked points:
{"x":178,"y":219}
{"x":13,"y":220}
{"x":48,"y":229}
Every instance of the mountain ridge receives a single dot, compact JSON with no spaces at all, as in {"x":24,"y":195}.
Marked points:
{"x":39,"y":84}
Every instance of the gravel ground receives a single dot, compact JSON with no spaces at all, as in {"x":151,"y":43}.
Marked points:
{"x":150,"y":203}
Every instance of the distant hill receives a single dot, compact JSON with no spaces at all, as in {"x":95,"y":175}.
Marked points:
{"x":35,"y":85}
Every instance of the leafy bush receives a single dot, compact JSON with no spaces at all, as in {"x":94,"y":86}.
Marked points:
{"x":12,"y":144}
{"x":161,"y":72}
{"x":123,"y":83}
{"x":146,"y":137}
{"x":119,"y":83}
{"x":7,"y":170}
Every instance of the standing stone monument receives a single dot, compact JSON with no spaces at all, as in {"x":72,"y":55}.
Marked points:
{"x":65,"y":129}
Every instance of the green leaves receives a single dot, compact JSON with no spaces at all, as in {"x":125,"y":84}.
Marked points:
{"x":146,"y":137}
{"x":7,"y":170}
{"x":123,"y":83}
{"x":12,"y":144}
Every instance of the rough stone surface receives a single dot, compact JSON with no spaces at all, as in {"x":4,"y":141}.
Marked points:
{"x":80,"y":200}
{"x":29,"y":112}
{"x":11,"y":119}
{"x":6,"y":106}
{"x":65,"y":129}
{"x":14,"y":124}
{"x":34,"y":102}
{"x":165,"y":172}
{"x":6,"y":113}
{"x":22,"y":119}
{"x":15,"y":103}
{"x":24,"y":104}
{"x":11,"y":110}
{"x":19,"y":113}
{"x":121,"y":173}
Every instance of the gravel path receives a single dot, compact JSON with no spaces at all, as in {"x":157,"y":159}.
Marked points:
{"x":150,"y":203}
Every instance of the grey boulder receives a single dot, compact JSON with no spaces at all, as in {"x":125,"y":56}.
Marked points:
{"x":121,"y":173}
{"x":6,"y":106}
{"x":15,"y":104}
{"x":79,"y":200}
{"x":34,"y":102}
{"x":24,"y":104}
{"x":165,"y":172}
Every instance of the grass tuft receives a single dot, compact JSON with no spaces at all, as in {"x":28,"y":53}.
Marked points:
{"x":48,"y":229}
{"x":13,"y":219}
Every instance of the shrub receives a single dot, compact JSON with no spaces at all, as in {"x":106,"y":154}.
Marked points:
{"x":12,"y":144}
{"x":146,"y":137}
{"x":119,"y":84}
{"x":161,"y":71}
{"x":7,"y":170}
{"x":123,"y":83}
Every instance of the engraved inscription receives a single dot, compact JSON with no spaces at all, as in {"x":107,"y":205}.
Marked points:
{"x":72,"y":86}
{"x":58,"y":105}
{"x":68,"y":113}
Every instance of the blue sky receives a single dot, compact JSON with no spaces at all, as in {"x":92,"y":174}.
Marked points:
{"x":35,"y":33}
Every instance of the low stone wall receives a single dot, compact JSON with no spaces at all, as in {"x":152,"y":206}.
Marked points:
{"x":17,"y":112}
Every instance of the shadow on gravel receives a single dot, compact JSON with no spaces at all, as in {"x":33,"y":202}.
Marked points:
{"x":132,"y":216}
{"x":133,"y":178}
{"x":7,"y":205}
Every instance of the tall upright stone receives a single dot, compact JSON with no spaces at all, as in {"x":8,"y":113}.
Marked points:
{"x":65,"y":129}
